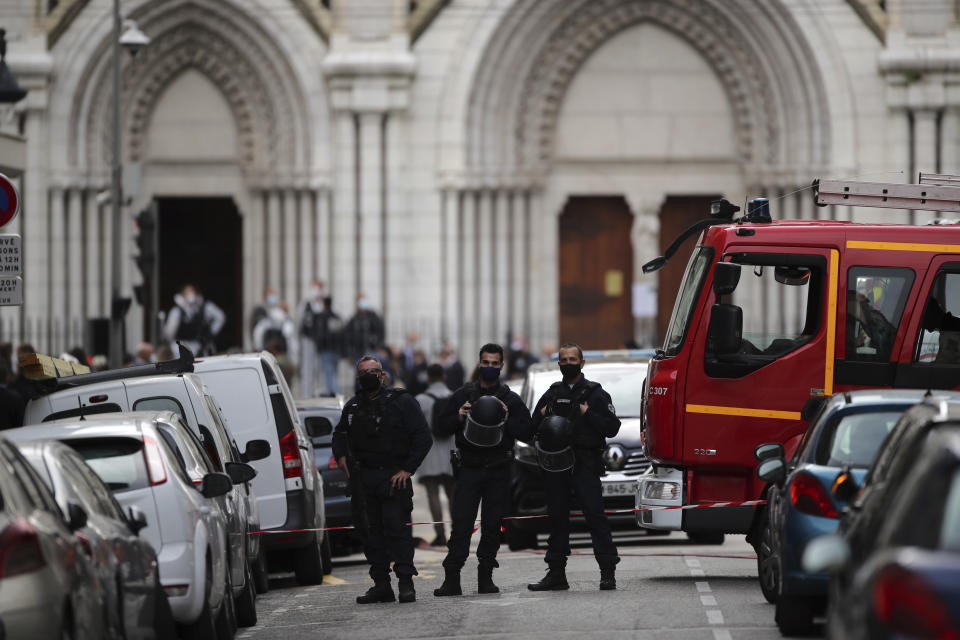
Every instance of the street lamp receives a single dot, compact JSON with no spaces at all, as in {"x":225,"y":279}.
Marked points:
{"x":133,"y":40}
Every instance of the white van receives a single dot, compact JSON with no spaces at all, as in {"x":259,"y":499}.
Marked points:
{"x":257,"y":403}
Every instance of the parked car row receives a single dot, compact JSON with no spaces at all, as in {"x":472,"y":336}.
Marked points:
{"x":161,"y":485}
{"x":863,"y":523}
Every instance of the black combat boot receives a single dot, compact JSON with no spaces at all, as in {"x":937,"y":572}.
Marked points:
{"x":406,"y":590}
{"x":485,"y":579}
{"x":608,"y":581}
{"x":555,"y":580}
{"x":451,"y":584}
{"x":380,"y":592}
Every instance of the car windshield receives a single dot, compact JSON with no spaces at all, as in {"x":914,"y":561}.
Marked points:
{"x":686,"y":300}
{"x":117,"y":461}
{"x":623,"y":381}
{"x":855,"y":438}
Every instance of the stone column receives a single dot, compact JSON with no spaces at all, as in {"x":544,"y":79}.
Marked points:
{"x":343,"y":243}
{"x":93,"y":251}
{"x":925,"y":137}
{"x":646,"y":246}
{"x":58,"y":259}
{"x":503,"y":259}
{"x":274,"y":240}
{"x":75,"y":288}
{"x":450,"y":264}
{"x":371,"y":207}
{"x":468,"y":262}
{"x":288,"y":287}
{"x":307,"y":234}
{"x":950,"y":140}
{"x":485,"y":266}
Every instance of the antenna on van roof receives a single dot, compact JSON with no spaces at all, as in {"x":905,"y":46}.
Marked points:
{"x":80,"y":402}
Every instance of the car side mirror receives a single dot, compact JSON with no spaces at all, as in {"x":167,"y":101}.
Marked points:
{"x":215,"y":485}
{"x":726,"y":277}
{"x":136,"y":519}
{"x":256,"y":450}
{"x":826,"y":554}
{"x":772,"y":470}
{"x":240,"y":472}
{"x":768,"y":450}
{"x":76,"y":516}
{"x":845,"y":487}
{"x":318,"y":427}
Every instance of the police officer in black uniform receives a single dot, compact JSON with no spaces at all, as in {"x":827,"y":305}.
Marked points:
{"x":484,"y":473}
{"x":386,"y":437}
{"x":592,"y":419}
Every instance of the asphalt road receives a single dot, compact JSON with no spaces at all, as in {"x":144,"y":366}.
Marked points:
{"x":667,"y":588}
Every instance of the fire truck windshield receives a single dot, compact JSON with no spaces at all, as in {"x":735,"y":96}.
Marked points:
{"x":687,"y":300}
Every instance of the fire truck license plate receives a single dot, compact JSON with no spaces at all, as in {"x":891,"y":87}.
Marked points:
{"x":619,"y":488}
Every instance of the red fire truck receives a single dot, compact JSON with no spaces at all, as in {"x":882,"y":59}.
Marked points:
{"x":773,"y":316}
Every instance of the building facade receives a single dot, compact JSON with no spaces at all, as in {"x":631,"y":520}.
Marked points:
{"x":476,"y":168}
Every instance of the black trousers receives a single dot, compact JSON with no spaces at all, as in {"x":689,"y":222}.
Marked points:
{"x":389,"y":538}
{"x":584,"y":482}
{"x":475,"y":485}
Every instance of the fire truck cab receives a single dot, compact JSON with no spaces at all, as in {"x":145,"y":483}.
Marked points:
{"x":858,"y":306}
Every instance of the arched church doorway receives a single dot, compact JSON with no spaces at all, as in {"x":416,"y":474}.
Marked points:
{"x":201,"y":242}
{"x":596,"y":269}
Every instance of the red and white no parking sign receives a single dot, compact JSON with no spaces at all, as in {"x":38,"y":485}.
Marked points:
{"x":9,"y":200}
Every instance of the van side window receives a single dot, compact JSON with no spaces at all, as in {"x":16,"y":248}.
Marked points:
{"x":742,"y":336}
{"x":159,"y":404}
{"x":206,"y":439}
{"x":939,"y":340}
{"x":876,"y":297}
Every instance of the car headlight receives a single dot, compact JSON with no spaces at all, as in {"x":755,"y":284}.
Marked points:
{"x":661,"y":490}
{"x":614,"y":457}
{"x":525,"y":453}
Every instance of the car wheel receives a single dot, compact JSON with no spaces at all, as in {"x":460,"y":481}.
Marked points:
{"x":67,"y":630}
{"x":794,"y":616}
{"x":164,"y":626}
{"x":308,"y":563}
{"x":326,"y":555}
{"x":226,"y":622}
{"x":246,"y":603}
{"x":261,"y":574}
{"x":768,"y":560}
{"x":706,"y":538}
{"x":518,"y":539}
{"x":202,"y":628}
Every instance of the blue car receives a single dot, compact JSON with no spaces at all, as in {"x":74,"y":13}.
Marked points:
{"x":842,"y":439}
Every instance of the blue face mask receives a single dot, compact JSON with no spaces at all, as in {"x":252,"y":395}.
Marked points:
{"x":489,"y":374}
{"x":272,"y":300}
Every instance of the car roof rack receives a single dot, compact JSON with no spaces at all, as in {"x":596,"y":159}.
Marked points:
{"x":183,"y":364}
{"x":934,"y":192}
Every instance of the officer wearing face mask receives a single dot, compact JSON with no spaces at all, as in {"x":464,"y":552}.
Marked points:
{"x":591,"y":416}
{"x":381,"y":439}
{"x":193,"y":322}
{"x":487,"y":418}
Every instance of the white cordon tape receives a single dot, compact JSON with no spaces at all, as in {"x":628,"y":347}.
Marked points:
{"x":708,"y":505}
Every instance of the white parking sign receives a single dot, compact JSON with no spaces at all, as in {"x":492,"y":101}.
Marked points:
{"x":10,"y":261}
{"x":11,"y":291}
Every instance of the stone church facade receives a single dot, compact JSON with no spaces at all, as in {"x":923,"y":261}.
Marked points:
{"x":476,"y":168}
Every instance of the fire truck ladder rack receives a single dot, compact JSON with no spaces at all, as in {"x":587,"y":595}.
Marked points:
{"x":48,"y":379}
{"x":935,"y":192}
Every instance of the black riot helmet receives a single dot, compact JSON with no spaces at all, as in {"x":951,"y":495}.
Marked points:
{"x":553,"y":444}
{"x":484,"y":424}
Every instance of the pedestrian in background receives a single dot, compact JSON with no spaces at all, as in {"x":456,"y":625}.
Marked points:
{"x":436,"y":470}
{"x":308,"y":315}
{"x":380,"y":441}
{"x":365,"y":331}
{"x":456,"y":374}
{"x":275,"y":329}
{"x":588,"y":419}
{"x":415,"y":377}
{"x":193,"y":321}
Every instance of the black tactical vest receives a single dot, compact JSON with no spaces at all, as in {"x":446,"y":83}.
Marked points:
{"x":566,"y":403}
{"x":191,"y":328}
{"x":374,"y":437}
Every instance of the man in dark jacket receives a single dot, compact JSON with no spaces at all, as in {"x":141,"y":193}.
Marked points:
{"x":365,"y":330}
{"x":381,"y":439}
{"x":593,"y":419}
{"x":484,"y":474}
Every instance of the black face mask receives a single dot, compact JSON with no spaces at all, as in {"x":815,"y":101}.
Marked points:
{"x":369,"y":381}
{"x":570,"y":371}
{"x":489,"y":374}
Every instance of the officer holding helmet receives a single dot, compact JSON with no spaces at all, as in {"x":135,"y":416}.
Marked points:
{"x":487,"y":418}
{"x":573,"y":419}
{"x":386,"y":437}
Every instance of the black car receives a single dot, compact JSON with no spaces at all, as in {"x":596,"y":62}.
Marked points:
{"x":909,"y":585}
{"x":621,"y":373}
{"x":319,"y":416}
{"x":125,"y":564}
{"x":864,"y":519}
